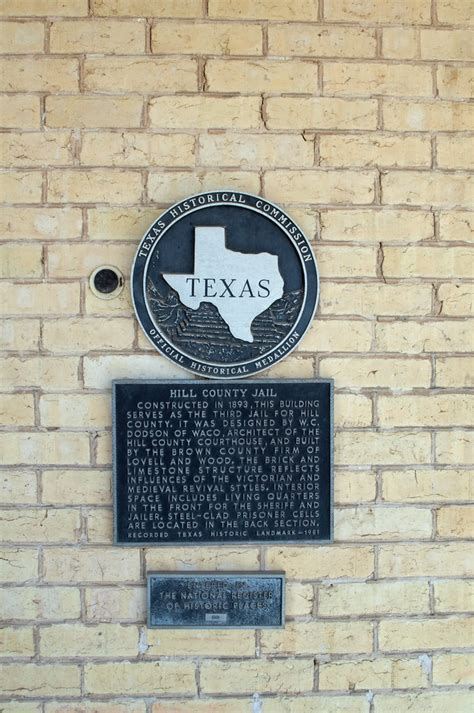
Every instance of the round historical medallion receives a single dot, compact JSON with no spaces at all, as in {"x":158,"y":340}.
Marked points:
{"x":225,"y":284}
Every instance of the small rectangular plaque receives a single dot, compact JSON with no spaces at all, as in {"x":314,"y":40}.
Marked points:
{"x":200,"y":462}
{"x":215,"y":600}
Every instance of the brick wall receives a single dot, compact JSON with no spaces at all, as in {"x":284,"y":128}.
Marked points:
{"x":353,"y":115}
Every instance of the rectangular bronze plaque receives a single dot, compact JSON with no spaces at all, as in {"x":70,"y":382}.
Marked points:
{"x":216,"y":600}
{"x":200,"y":462}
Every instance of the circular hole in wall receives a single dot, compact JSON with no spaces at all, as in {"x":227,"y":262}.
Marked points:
{"x":106,"y":282}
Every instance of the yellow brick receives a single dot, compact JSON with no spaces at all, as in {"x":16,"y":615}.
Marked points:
{"x":454,"y":11}
{"x":119,"y":223}
{"x":19,"y":8}
{"x":416,"y":12}
{"x":255,"y":150}
{"x":21,"y":187}
{"x":282,"y":704}
{"x":150,"y":678}
{"x":100,"y":529}
{"x":360,"y":79}
{"x":30,"y":681}
{"x":352,"y":411}
{"x":339,"y":335}
{"x":91,"y":487}
{"x":39,"y":298}
{"x":429,"y":336}
{"x":94,"y":186}
{"x":378,"y":150}
{"x":200,"y":558}
{"x":319,"y":637}
{"x":16,"y":642}
{"x":455,"y":82}
{"x":401,"y":115}
{"x":18,"y":565}
{"x":142,"y":75}
{"x":434,"y":410}
{"x":206,"y":38}
{"x":226,"y":705}
{"x":322,"y":186}
{"x":44,"y":372}
{"x":168,"y":187}
{"x":376,"y":598}
{"x":272,"y":676}
{"x":77,"y":640}
{"x":382,"y":448}
{"x":424,"y":188}
{"x":293,"y":367}
{"x":458,"y":701}
{"x":21,"y":707}
{"x":302,"y":113}
{"x":112,"y":603}
{"x":446,"y":44}
{"x":83,"y":334}
{"x":91,"y":564}
{"x":163,"y":8}
{"x":40,"y":525}
{"x":344,"y":261}
{"x":421,"y":634}
{"x":427,"y":262}
{"x":400,"y":42}
{"x":205,"y":112}
{"x":453,"y":596}
{"x":257,"y":76}
{"x":354,"y":486}
{"x":455,"y":521}
{"x":320,"y":41}
{"x":425,"y":560}
{"x":454,"y":152}
{"x":108,"y":37}
{"x":66,"y":260}
{"x":427,"y":485}
{"x":454,"y":371}
{"x":203,"y":643}
{"x":120,"y":306}
{"x":99,"y":371}
{"x":333,"y":561}
{"x":453,"y":669}
{"x":372,"y":674}
{"x":298,"y":599}
{"x":376,"y":225}
{"x":41,"y":223}
{"x":456,"y":300}
{"x":379,"y":523}
{"x":19,"y":334}
{"x":455,"y":447}
{"x":19,"y":111}
{"x":21,"y":37}
{"x":55,"y":448}
{"x":17,"y":410}
{"x":48,"y":603}
{"x":354,"y":372}
{"x":103,"y":445}
{"x":17,"y":486}
{"x":36,"y":149}
{"x":93,"y":111}
{"x":96,"y":707}
{"x":75,"y":411}
{"x":39,"y":74}
{"x":137,"y":149}
{"x":457,"y":226}
{"x":20,"y":260}
{"x":302,"y":10}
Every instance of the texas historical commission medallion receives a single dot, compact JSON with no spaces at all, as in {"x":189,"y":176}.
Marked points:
{"x":225,"y":284}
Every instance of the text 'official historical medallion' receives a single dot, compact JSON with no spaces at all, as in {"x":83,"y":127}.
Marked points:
{"x":225,"y":284}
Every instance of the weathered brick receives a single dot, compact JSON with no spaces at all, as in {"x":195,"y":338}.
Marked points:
{"x":115,"y":603}
{"x":56,"y":448}
{"x":446,"y":44}
{"x":143,"y":74}
{"x":20,"y":111}
{"x":379,"y":523}
{"x":382,"y":448}
{"x":378,"y":150}
{"x":454,"y":371}
{"x":18,"y":565}
{"x":255,"y":150}
{"x":367,"y":300}
{"x":321,"y":186}
{"x":372,"y":674}
{"x":354,"y":486}
{"x":21,"y":37}
{"x":374,"y":598}
{"x":167,"y":187}
{"x":30,"y":680}
{"x":359,"y":79}
{"x":99,"y":371}
{"x":433,"y":410}
{"x":206,"y":38}
{"x":419,"y":337}
{"x":257,"y":76}
{"x":427,"y":262}
{"x":201,"y":558}
{"x":39,"y":298}
{"x":298,"y":599}
{"x":455,"y":82}
{"x":77,"y":640}
{"x":17,"y":261}
{"x":44,"y":372}
{"x":421,"y":634}
{"x":41,"y":223}
{"x":455,"y":447}
{"x":87,"y":487}
{"x":457,"y":226}
{"x":75,"y":411}
{"x":399,"y":115}
{"x":99,"y":185}
{"x":18,"y":487}
{"x":150,"y":678}
{"x":119,"y":223}
{"x":280,"y":704}
{"x":302,"y":113}
{"x":91,"y":564}
{"x":93,"y":111}
{"x":421,"y":702}
{"x":19,"y":334}
{"x":427,"y":485}
{"x":19,"y":8}
{"x":81,"y":258}
{"x":40,"y":525}
{"x":320,"y":637}
{"x":455,"y":521}
{"x":367,"y":225}
{"x":320,"y":41}
{"x":100,"y":526}
{"x":205,"y":112}
{"x":40,"y":74}
{"x":17,"y":410}
{"x":334,"y":561}
{"x":456,"y":299}
{"x":275,"y":676}
{"x":302,"y":10}
{"x":454,"y":152}
{"x":21,"y":187}
{"x":147,"y":8}
{"x":453,"y":669}
{"x":109,"y":37}
{"x":427,"y":188}
{"x":417,"y":12}
{"x":454,"y":11}
{"x":126,"y":148}
{"x":16,"y":642}
{"x":425,"y":560}
{"x":400,"y":42}
{"x":216,"y":644}
{"x":83,"y":334}
{"x":355,"y":372}
{"x":352,"y":411}
{"x":41,"y":603}
{"x":83,"y":706}
{"x":338,"y":335}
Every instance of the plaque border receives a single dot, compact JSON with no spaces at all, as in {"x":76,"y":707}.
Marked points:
{"x":277,"y":574}
{"x":212,"y":384}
